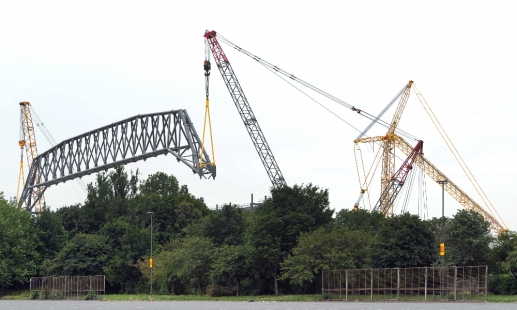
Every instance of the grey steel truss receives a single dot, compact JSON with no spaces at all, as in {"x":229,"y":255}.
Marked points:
{"x":130,"y":140}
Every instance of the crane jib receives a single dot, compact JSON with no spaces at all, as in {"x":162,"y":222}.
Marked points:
{"x":245,"y":111}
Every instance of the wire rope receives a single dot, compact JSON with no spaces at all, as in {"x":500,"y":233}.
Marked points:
{"x":279,"y":71}
{"x":457,"y":155}
{"x":52,"y":142}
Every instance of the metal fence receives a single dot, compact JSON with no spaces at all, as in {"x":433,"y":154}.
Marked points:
{"x":411,"y":284}
{"x":68,"y":286}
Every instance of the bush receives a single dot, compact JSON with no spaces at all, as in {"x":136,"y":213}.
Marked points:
{"x":46,"y":295}
{"x":502,"y":284}
{"x":34,"y":295}
{"x":214,"y":290}
{"x":91,"y":295}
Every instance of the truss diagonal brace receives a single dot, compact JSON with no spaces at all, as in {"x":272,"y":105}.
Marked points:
{"x":130,"y":140}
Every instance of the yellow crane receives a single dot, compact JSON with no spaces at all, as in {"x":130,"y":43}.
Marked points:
{"x":388,"y":150}
{"x":391,"y":141}
{"x":28,"y":141}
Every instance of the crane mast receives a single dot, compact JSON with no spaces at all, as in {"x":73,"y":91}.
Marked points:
{"x":390,"y":192}
{"x":244,"y":108}
{"x":388,"y":153}
{"x":28,"y":140}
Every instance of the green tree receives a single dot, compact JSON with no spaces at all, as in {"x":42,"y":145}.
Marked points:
{"x":467,"y":239}
{"x":83,"y":255}
{"x":229,"y":266}
{"x":403,"y":241}
{"x":501,"y":246}
{"x":184,"y":263}
{"x":173,"y":206}
{"x":18,"y":241}
{"x":323,"y":250}
{"x":111,"y":197}
{"x":510,"y":264}
{"x":128,"y":244}
{"x":196,"y":256}
{"x":276,"y":224}
{"x":359,"y":220}
{"x":51,"y":234}
{"x":73,"y":219}
{"x":225,"y":226}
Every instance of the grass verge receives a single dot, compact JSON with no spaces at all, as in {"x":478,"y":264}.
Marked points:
{"x":25,"y":295}
{"x":17,"y":295}
{"x":204,"y":298}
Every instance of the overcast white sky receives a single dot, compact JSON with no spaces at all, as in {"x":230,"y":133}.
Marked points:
{"x":87,"y":64}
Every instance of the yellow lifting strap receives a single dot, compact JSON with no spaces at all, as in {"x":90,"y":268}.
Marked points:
{"x":207,"y":115}
{"x":207,"y":66}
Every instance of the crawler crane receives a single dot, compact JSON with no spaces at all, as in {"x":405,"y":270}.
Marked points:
{"x":389,"y":142}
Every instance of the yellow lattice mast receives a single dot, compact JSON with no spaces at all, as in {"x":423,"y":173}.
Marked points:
{"x":388,"y":150}
{"x":391,"y":141}
{"x":28,"y":140}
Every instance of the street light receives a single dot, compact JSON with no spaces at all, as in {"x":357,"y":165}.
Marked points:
{"x":151,"y":260}
{"x":442,"y":245}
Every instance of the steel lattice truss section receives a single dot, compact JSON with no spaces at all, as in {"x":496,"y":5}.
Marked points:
{"x":130,"y":140}
{"x":247,"y":115}
{"x":450,"y":187}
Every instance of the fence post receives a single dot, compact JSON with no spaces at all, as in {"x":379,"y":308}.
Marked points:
{"x":455,"y":281}
{"x":398,"y":284}
{"x":425,"y":285}
{"x":371,"y":284}
{"x":346,"y":284}
{"x":340,"y":285}
{"x":322,"y":285}
{"x":486,"y":283}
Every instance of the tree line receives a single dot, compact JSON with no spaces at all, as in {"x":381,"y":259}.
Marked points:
{"x":281,"y":247}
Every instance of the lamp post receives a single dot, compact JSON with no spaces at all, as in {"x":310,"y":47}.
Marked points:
{"x":442,"y":245}
{"x":151,"y":260}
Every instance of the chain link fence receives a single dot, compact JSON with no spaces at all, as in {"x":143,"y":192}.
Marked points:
{"x":67,"y":287}
{"x":407,"y":284}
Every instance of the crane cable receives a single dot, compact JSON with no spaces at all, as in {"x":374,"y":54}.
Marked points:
{"x":456,"y":154}
{"x":366,"y":184}
{"x":277,"y":71}
{"x":207,"y":67}
{"x":52,"y":142}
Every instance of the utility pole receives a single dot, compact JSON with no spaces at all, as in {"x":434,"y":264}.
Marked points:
{"x":442,"y":244}
{"x":151,"y":260}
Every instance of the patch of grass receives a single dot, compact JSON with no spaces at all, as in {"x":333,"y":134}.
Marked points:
{"x":502,"y":298}
{"x":17,"y":295}
{"x":204,"y":298}
{"x":25,"y":295}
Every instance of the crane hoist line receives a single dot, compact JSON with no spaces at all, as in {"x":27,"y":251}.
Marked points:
{"x":280,"y":72}
{"x":244,"y":108}
{"x":207,"y":67}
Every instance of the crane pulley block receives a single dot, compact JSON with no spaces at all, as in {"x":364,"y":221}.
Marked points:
{"x":207,"y":66}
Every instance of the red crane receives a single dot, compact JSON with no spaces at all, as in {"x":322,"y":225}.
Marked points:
{"x":390,"y":192}
{"x":244,"y":108}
